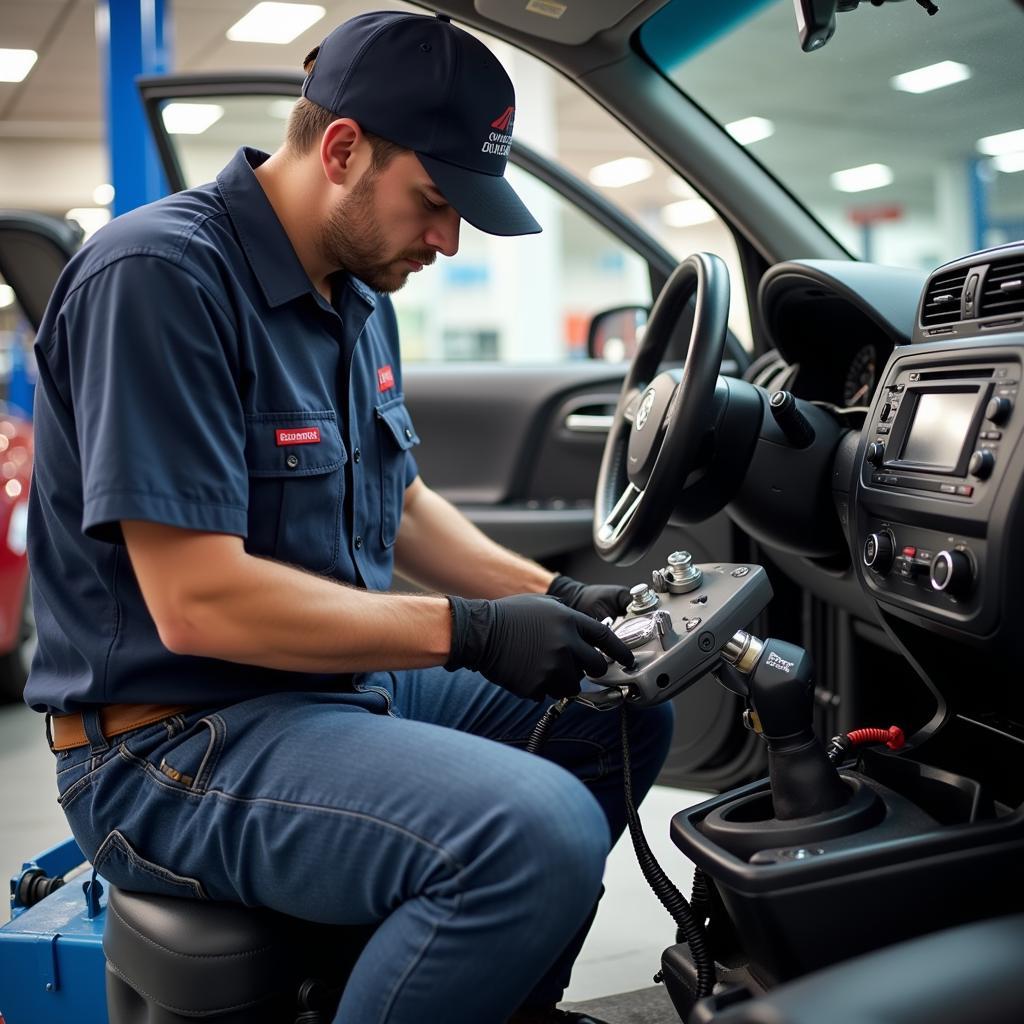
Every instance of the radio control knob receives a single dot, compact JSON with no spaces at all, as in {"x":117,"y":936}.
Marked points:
{"x":879,"y":550}
{"x":875,"y":453}
{"x":981,"y":464}
{"x":998,"y":410}
{"x":951,"y":573}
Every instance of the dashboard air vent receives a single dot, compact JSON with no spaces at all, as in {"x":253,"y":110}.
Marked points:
{"x":1003,"y":293}
{"x":942,"y":299}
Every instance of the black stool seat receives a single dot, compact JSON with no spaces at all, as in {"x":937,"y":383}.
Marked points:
{"x":171,"y":960}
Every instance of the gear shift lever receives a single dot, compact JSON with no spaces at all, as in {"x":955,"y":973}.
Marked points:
{"x":776,"y":677}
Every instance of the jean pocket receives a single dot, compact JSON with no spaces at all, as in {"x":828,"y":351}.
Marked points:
{"x":122,"y":865}
{"x":186,"y":760}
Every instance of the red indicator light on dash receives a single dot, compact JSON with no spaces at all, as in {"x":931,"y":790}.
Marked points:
{"x":298,"y":435}
{"x":909,"y":552}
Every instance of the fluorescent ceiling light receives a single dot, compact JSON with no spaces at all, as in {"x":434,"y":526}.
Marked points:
{"x":190,"y":118}
{"x":1007,"y":142}
{"x":860,"y":179}
{"x":280,"y":109}
{"x":16,"y":64}
{"x":687,"y":213}
{"x":91,"y":218}
{"x":617,"y":173}
{"x":934,"y":76}
{"x":103,"y":195}
{"x":1009,"y":162}
{"x":275,"y":23}
{"x":750,"y":129}
{"x":6,"y":296}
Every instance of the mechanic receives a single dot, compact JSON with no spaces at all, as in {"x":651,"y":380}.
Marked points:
{"x":223,"y":483}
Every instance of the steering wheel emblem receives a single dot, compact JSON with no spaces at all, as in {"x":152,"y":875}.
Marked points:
{"x":645,"y":409}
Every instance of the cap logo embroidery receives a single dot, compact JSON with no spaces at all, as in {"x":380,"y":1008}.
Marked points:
{"x":503,"y":123}
{"x":385,"y":378}
{"x":298,"y":435}
{"x":499,"y":142}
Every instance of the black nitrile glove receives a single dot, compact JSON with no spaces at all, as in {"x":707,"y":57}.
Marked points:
{"x":597,"y":599}
{"x":530,"y":644}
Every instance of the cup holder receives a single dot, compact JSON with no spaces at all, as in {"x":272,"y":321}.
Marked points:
{"x":747,"y":825}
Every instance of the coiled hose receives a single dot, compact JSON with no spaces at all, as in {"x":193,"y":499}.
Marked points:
{"x":671,"y":898}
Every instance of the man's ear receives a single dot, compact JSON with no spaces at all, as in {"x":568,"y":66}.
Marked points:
{"x":340,"y":142}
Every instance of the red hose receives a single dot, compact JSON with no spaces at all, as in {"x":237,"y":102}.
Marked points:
{"x":892,"y":737}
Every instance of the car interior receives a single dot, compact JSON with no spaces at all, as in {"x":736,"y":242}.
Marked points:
{"x":824,"y":523}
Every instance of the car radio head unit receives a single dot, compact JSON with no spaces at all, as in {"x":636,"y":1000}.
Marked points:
{"x":940,"y":429}
{"x":935,"y":428}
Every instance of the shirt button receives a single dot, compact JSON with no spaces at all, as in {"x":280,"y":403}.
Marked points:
{"x":292,"y":461}
{"x":408,"y":434}
{"x":358,"y":543}
{"x":357,"y":455}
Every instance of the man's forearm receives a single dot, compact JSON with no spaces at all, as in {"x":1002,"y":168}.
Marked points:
{"x":209,"y":598}
{"x":439,"y":548}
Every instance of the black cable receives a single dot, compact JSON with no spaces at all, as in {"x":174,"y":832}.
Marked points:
{"x":540,"y":730}
{"x":671,"y":898}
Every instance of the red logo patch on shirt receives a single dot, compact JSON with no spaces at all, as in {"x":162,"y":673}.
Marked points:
{"x":385,"y":378}
{"x":298,"y":435}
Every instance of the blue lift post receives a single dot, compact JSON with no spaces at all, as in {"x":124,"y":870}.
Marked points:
{"x":134,"y":38}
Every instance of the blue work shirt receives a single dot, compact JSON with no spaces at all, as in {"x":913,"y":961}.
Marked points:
{"x":191,"y":374}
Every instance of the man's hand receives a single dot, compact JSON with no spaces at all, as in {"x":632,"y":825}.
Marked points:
{"x":531,"y":645}
{"x":596,"y":599}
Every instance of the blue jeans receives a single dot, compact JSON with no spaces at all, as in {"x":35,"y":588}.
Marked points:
{"x":407,"y":805}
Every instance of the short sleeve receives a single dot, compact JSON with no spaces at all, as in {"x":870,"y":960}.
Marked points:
{"x":159,"y":421}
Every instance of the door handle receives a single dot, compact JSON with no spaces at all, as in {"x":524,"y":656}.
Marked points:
{"x":589,"y":423}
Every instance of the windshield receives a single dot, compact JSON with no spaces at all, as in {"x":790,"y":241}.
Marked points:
{"x":909,"y":171}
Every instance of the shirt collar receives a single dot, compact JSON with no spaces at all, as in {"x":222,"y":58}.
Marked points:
{"x":264,"y":241}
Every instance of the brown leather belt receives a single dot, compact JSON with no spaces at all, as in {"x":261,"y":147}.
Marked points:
{"x":69,"y":730}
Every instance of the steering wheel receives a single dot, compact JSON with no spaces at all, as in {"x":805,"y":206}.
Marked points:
{"x":661,"y":418}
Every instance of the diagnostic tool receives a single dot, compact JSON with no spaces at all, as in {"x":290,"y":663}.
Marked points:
{"x":693,"y":612}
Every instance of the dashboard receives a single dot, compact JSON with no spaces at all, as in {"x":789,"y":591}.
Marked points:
{"x":924,"y":370}
{"x":835,"y":324}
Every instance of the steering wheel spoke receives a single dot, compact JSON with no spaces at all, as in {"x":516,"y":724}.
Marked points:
{"x":621,"y":515}
{"x":629,"y":403}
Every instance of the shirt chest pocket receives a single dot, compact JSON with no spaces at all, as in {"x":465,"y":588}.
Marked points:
{"x":397,"y":436}
{"x":296,"y":471}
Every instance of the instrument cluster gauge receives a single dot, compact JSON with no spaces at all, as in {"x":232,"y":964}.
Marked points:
{"x":859,"y":382}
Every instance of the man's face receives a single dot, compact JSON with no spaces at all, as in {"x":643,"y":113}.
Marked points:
{"x":391,"y":224}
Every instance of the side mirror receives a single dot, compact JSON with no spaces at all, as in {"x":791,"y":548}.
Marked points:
{"x":615,"y":334}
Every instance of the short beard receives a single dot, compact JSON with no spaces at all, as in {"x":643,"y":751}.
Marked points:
{"x":352,"y":239}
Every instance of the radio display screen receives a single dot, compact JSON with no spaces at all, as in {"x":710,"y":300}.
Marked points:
{"x":939,"y":429}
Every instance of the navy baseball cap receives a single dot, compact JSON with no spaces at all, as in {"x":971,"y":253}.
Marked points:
{"x":428,"y":86}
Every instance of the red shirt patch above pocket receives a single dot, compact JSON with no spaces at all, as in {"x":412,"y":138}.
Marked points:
{"x":298,"y":435}
{"x":385,"y":378}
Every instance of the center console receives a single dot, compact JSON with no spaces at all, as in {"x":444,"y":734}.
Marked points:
{"x":937,"y":451}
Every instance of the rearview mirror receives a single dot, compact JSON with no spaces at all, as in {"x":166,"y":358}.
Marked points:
{"x":815,"y":22}
{"x":615,"y":334}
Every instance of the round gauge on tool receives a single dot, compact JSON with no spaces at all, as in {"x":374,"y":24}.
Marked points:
{"x":859,"y":382}
{"x":636,"y":632}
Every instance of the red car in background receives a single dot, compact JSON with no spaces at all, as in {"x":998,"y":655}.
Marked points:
{"x":33,"y":251}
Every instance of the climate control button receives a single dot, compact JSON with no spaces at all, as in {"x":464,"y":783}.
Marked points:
{"x":951,"y":573}
{"x":875,"y":453}
{"x":879,"y":550}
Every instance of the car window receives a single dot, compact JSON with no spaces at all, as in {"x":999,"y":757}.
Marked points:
{"x":525,"y":299}
{"x":903,"y":135}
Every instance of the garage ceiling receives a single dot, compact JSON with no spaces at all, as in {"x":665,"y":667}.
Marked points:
{"x":55,"y":116}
